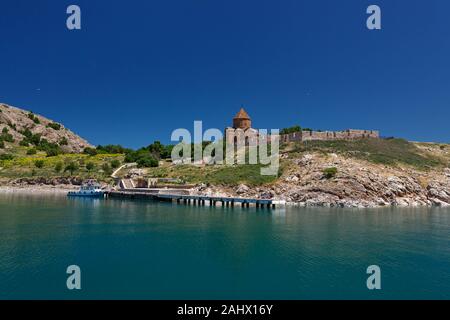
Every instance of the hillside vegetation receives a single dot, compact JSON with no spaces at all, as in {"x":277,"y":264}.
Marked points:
{"x":391,"y":152}
{"x":218,"y":175}
{"x":19,"y":164}
{"x":99,"y":162}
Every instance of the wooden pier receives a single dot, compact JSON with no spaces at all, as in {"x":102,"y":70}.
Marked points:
{"x":192,"y":199}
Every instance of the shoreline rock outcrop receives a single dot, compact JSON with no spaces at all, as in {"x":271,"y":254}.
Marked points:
{"x":357,"y":184}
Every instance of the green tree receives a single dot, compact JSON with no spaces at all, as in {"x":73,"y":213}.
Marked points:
{"x":31,"y":151}
{"x":72,"y":167}
{"x":54,"y":126}
{"x":35,"y":139}
{"x":330,"y":172}
{"x":34,"y":118}
{"x":2,"y":144}
{"x":39,"y":164}
{"x":6,"y":156}
{"x":90,"y":151}
{"x":52,"y":152}
{"x":27,"y":133}
{"x":106,"y":169}
{"x":63,"y":141}
{"x":5,"y":136}
{"x":112,"y":149}
{"x":115,"y":164}
{"x":90,"y":166}
{"x":290,"y":130}
{"x":12,"y":125}
{"x":58,"y":167}
{"x":147,"y":162}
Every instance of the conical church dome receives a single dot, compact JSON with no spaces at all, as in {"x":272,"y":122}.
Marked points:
{"x":242,"y":114}
{"x":242,"y":120}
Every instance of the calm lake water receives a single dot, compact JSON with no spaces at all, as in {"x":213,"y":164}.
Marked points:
{"x":146,"y":250}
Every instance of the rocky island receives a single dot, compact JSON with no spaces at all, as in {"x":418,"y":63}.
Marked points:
{"x":367,"y":172}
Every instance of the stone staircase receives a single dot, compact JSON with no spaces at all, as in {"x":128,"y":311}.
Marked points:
{"x":126,"y":184}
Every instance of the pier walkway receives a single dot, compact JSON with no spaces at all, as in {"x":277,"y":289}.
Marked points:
{"x":191,"y":199}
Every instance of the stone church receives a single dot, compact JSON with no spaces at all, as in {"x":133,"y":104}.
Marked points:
{"x":242,"y":130}
{"x":243,"y":133}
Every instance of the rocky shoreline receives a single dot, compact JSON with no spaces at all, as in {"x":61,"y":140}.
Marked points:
{"x":41,"y":185}
{"x":63,"y":189}
{"x":356,"y":184}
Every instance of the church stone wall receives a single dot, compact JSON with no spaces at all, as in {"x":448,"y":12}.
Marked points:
{"x":243,"y":133}
{"x":329,"y":135}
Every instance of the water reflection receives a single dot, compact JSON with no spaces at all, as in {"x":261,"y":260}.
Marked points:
{"x":164,"y":250}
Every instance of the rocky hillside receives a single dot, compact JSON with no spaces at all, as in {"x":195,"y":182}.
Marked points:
{"x":356,"y":183}
{"x":16,"y":124}
{"x":371,"y":174}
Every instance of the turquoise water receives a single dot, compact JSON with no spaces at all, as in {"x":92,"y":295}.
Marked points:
{"x":146,"y":250}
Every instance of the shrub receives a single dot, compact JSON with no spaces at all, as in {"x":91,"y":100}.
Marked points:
{"x":290,"y":130}
{"x":35,"y":139}
{"x":112,"y":149}
{"x":31,"y":151}
{"x":58,"y":166}
{"x":34,"y":118}
{"x":90,"y":166}
{"x":71,"y":167}
{"x":160,"y":151}
{"x":27,"y":133}
{"x":2,"y":144}
{"x":115,"y":164}
{"x":63,"y":141}
{"x":329,"y":173}
{"x":7,"y":136}
{"x":90,"y":151}
{"x":6,"y":156}
{"x":106,"y":168}
{"x":12,"y":125}
{"x":24,"y":143}
{"x":54,"y":126}
{"x":52,"y":149}
{"x":52,"y":152}
{"x":5,"y":130}
{"x":147,"y":162}
{"x":39,"y":164}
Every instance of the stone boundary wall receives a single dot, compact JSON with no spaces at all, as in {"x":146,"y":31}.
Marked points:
{"x":329,"y":135}
{"x":250,"y":136}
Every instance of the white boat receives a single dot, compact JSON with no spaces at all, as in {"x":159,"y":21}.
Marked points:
{"x":90,"y":188}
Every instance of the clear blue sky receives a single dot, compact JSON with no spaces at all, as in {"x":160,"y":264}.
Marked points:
{"x":139,"y":69}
